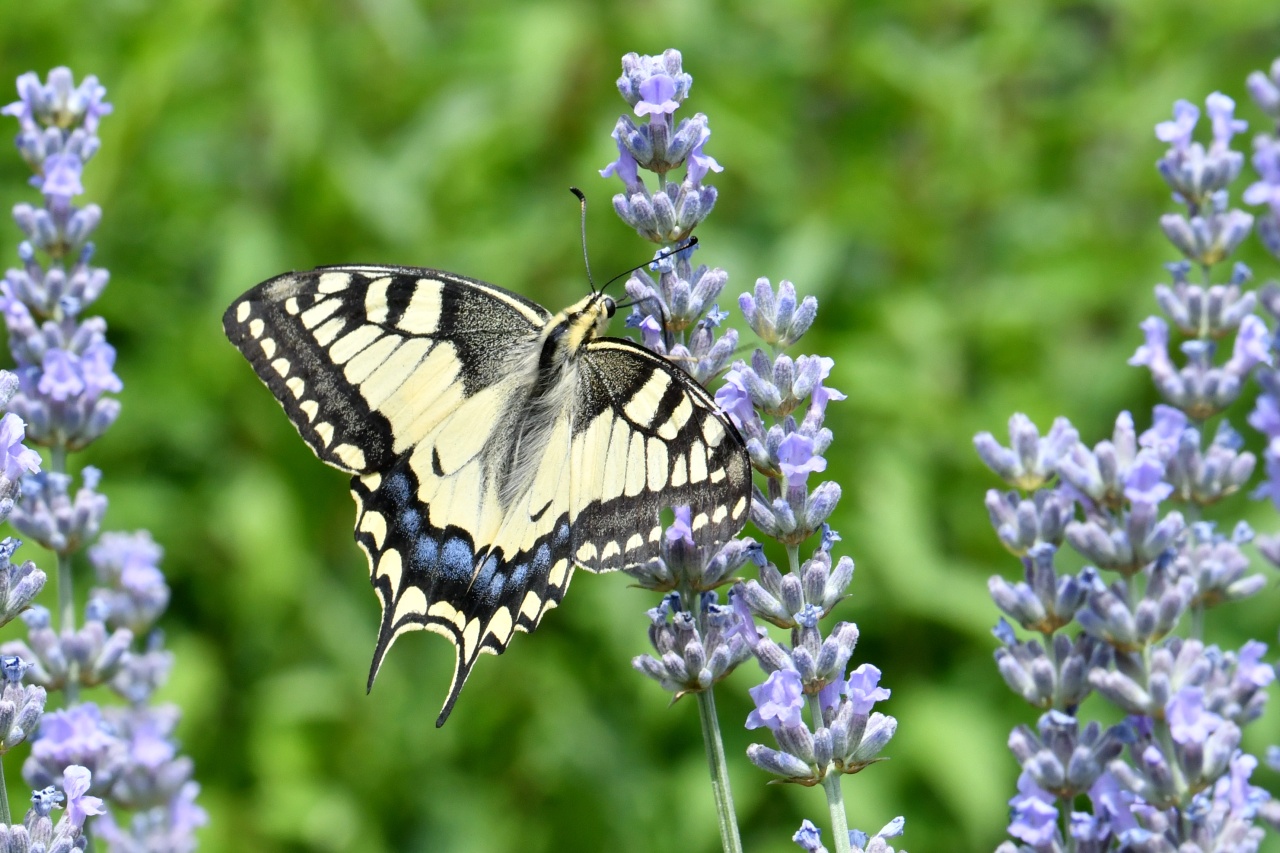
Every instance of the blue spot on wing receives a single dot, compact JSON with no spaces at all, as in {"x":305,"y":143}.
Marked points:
{"x":397,"y":488}
{"x":542,"y":559}
{"x":519,"y":575}
{"x":410,"y":520}
{"x":457,"y":559}
{"x":425,"y":554}
{"x":489,"y":582}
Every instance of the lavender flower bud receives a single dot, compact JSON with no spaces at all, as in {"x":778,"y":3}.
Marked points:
{"x":1030,"y":460}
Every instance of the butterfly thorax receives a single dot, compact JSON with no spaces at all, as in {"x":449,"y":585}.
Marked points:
{"x":566,"y":335}
{"x":551,"y":392}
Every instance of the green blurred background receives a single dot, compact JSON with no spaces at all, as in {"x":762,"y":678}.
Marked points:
{"x":966,"y":186}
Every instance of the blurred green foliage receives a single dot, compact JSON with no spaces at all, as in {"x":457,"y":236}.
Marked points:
{"x":966,"y":185}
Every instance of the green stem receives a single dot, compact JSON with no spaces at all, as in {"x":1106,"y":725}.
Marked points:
{"x":831,"y":785}
{"x":5,"y":819}
{"x":835,"y":804}
{"x":66,"y":585}
{"x":725,"y":815}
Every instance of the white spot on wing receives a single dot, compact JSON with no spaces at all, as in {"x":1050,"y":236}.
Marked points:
{"x":333,"y":282}
{"x":658,"y":465}
{"x":413,"y":602}
{"x":243,"y":311}
{"x":470,"y":635}
{"x":268,"y":347}
{"x":370,"y":359}
{"x":324,"y":429}
{"x":697,"y":463}
{"x":531,"y":607}
{"x":351,"y":456}
{"x":326,"y":333}
{"x":446,"y":612}
{"x":256,"y":327}
{"x":353,"y":342}
{"x":560,"y":574}
{"x":375,"y":300}
{"x":390,"y":567}
{"x":713,"y":431}
{"x":641,"y":408}
{"x":281,"y":366}
{"x":679,"y":472}
{"x":636,"y":474}
{"x":296,"y":385}
{"x":318,"y":313}
{"x":375,"y":524}
{"x":680,"y":415}
{"x":422,"y":314}
{"x":500,"y":626}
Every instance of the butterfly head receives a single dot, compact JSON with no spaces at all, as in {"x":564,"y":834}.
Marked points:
{"x":586,"y":319}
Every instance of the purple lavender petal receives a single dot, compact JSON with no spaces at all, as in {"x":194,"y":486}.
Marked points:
{"x":1178,"y":132}
{"x":863,"y":688}
{"x":60,"y":375}
{"x":797,"y":459}
{"x":656,"y":96}
{"x":778,"y":701}
{"x":1189,"y":720}
{"x":75,"y":784}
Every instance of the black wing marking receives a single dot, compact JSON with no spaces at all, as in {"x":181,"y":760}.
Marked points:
{"x":646,"y":437}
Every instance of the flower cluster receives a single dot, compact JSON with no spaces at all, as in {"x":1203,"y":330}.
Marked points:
{"x":64,"y":368}
{"x":697,"y":640}
{"x":65,"y":365}
{"x":655,"y":86}
{"x":38,"y":833}
{"x":1186,"y":701}
{"x":1172,"y":775}
{"x":809,"y":676}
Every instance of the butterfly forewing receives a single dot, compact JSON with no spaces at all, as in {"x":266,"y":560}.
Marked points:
{"x":476,"y":493}
{"x":362,"y":358}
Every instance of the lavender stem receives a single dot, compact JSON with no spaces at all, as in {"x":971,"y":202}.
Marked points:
{"x":725,"y":814}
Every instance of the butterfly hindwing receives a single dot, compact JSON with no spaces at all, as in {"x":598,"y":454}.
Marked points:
{"x":647,"y":437}
{"x":433,"y":574}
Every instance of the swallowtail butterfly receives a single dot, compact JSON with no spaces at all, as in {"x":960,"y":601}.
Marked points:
{"x":493,"y":446}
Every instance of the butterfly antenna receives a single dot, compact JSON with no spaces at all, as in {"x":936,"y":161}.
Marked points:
{"x":687,"y":244}
{"x":586,"y":261}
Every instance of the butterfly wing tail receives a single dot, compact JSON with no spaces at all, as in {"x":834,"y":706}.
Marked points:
{"x":461,"y":670}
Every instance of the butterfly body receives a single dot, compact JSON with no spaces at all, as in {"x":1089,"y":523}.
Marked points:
{"x":492,"y":445}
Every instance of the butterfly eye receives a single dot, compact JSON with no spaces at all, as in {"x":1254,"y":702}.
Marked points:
{"x":610,"y":307}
